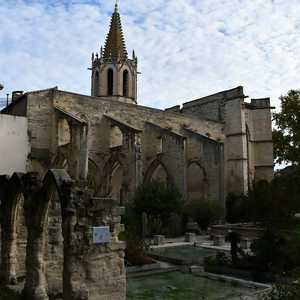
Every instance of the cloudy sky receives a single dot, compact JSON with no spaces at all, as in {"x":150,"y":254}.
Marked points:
{"x":186,"y":48}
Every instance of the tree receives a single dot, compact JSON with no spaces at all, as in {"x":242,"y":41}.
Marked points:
{"x":158,"y":201}
{"x":204,"y":211}
{"x":286,"y":136}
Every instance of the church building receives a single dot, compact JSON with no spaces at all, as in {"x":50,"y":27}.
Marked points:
{"x":207,"y":147}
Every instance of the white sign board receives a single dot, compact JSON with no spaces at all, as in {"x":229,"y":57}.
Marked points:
{"x":101,"y":235}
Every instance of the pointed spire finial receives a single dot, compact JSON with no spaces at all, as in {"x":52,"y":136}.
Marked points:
{"x":115,"y":47}
{"x":116,"y":6}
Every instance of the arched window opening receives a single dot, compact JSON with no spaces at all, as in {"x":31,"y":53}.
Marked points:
{"x":93,"y":175}
{"x":97,"y":83}
{"x":116,"y":137}
{"x":53,"y":251}
{"x":157,"y":172}
{"x":64,"y":132}
{"x":110,"y":82}
{"x":196,"y":183}
{"x":125,"y":83}
{"x":117,"y":182}
{"x":159,"y":145}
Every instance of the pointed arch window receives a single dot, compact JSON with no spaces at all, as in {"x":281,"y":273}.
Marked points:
{"x":125,"y":83}
{"x":110,"y":82}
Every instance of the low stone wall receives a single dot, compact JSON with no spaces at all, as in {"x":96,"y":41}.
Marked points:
{"x":245,"y":230}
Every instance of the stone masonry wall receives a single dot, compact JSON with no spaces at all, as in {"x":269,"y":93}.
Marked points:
{"x":60,"y":211}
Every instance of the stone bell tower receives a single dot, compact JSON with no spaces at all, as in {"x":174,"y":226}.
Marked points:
{"x":114,"y":75}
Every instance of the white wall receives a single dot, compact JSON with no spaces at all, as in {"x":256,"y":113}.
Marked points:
{"x":14,"y":144}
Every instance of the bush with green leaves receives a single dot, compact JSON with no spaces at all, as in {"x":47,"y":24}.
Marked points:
{"x":204,"y":212}
{"x":288,"y":291}
{"x":277,"y":252}
{"x":271,"y":203}
{"x":159,"y":201}
{"x":237,"y":208}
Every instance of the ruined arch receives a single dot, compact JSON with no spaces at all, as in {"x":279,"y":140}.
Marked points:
{"x":45,"y":251}
{"x":197,"y":183}
{"x":157,"y":171}
{"x":13,"y":229}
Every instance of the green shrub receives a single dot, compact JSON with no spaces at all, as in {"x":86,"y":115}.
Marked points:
{"x":237,"y":208}
{"x":204,"y":212}
{"x":289,"y":291}
{"x":158,"y":201}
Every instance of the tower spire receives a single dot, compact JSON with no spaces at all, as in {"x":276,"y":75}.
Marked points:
{"x":115,"y":47}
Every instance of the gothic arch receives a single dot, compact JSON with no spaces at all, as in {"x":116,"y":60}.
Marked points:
{"x":157,"y":171}
{"x":13,"y":229}
{"x":197,"y":183}
{"x":116,"y":182}
{"x":45,"y":255}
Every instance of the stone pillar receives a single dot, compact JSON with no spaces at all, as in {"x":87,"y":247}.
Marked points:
{"x":83,"y":158}
{"x":236,"y":158}
{"x":8,"y":255}
{"x":92,"y":271}
{"x":79,"y":151}
{"x":35,"y":287}
{"x":138,"y":161}
{"x":9,"y":198}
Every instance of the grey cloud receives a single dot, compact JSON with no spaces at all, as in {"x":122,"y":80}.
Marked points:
{"x":186,"y":49}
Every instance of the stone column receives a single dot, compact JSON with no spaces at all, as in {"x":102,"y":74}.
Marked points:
{"x":83,"y":158}
{"x":8,"y":233}
{"x":79,"y":151}
{"x":35,"y":287}
{"x":8,"y":254}
{"x":138,"y":161}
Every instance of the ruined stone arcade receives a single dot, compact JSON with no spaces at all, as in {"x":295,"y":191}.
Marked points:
{"x":47,"y":239}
